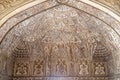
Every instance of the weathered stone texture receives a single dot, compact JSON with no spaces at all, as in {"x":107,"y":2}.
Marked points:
{"x":68,"y":40}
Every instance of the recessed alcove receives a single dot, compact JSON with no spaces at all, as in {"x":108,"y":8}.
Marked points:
{"x":60,"y":42}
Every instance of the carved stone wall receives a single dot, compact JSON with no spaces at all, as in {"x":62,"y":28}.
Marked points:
{"x":115,"y":4}
{"x":61,"y":42}
{"x":7,"y":6}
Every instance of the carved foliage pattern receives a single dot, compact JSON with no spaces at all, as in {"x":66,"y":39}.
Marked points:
{"x":57,"y":60}
{"x":99,"y":68}
{"x":21,"y":68}
{"x":38,"y":67}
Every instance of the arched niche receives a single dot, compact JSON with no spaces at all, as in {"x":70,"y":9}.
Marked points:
{"x":57,"y":39}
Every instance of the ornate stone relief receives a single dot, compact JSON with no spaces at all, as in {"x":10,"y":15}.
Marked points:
{"x":99,"y":68}
{"x":84,"y":68}
{"x":56,"y":49}
{"x":60,"y":43}
{"x":21,"y":69}
{"x":38,"y":68}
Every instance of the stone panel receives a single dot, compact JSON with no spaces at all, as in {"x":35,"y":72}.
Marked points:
{"x":62,"y":43}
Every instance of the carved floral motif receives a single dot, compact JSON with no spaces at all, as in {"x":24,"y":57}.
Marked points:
{"x":21,"y":69}
{"x":84,"y":69}
{"x":38,"y":68}
{"x":100,"y":69}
